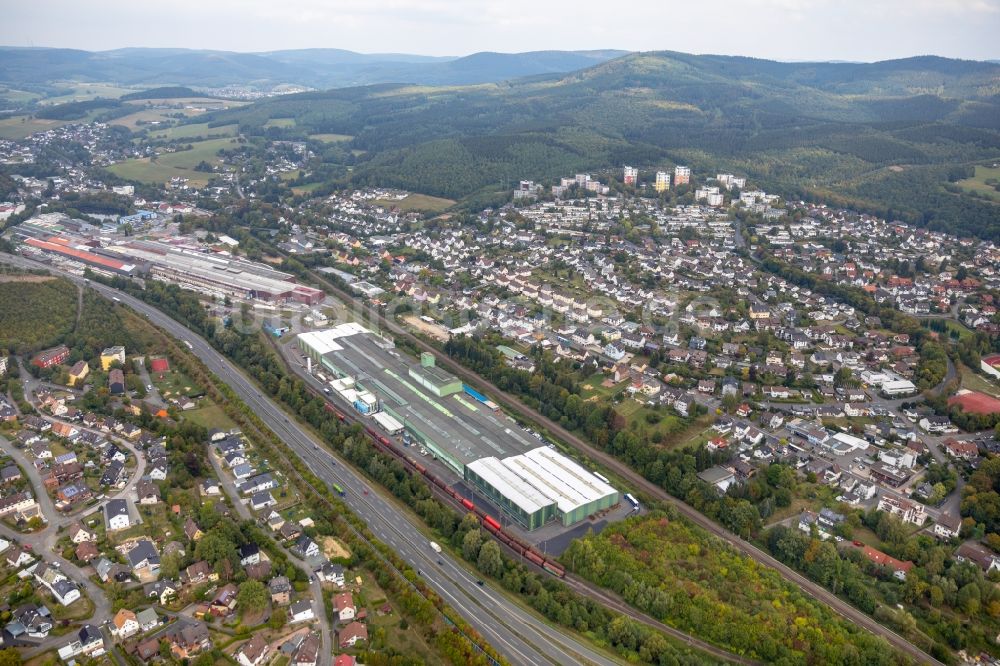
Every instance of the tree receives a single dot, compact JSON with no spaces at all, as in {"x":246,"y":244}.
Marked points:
{"x":278,"y":619}
{"x":490,"y":562}
{"x":10,"y":657}
{"x":215,"y":547}
{"x":252,"y":597}
{"x":471,"y":543}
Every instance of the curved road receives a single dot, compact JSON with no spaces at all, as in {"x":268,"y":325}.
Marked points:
{"x":514,"y":404}
{"x":519,"y":635}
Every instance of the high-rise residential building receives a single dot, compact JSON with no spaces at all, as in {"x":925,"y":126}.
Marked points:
{"x":662,"y":181}
{"x":710,"y":194}
{"x":682,"y":175}
{"x":631,"y":176}
{"x":731,"y":181}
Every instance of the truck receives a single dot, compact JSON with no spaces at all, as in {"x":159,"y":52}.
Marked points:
{"x":436,"y":548}
{"x":188,"y":344}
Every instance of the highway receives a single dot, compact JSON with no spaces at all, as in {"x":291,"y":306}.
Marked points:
{"x":515,"y":406}
{"x":518,"y":635}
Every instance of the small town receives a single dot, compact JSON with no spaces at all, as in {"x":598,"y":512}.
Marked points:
{"x":273,"y":394}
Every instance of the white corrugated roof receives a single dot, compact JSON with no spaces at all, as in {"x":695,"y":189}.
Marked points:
{"x":387,"y":421}
{"x":568,"y":469}
{"x":510,"y":485}
{"x":319,"y":342}
{"x":325,"y":341}
{"x":556,"y":476}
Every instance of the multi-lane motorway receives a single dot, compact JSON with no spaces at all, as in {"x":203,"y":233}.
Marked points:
{"x":521,"y":637}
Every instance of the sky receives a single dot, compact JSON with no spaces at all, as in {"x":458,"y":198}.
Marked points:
{"x":858,"y":30}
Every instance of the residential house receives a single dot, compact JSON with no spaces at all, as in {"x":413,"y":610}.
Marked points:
{"x":87,"y":551}
{"x":899,"y":567}
{"x":164,"y":590}
{"x":143,"y":556}
{"x":124,"y":624}
{"x":343,"y":605}
{"x":331,"y":573}
{"x":904,"y":509}
{"x":262,"y":500}
{"x":975,"y":553}
{"x":116,"y":515}
{"x":224,"y":601}
{"x":350,"y":635}
{"x":281,"y":590}
{"x":31,"y":621}
{"x":947,"y":526}
{"x":147,"y":492}
{"x":252,"y":652}
{"x":301,"y":611}
{"x":308,"y":652}
{"x":961,"y":450}
{"x":192,"y":531}
{"x":88,"y":642}
{"x":305,"y":547}
{"x":186,"y":639}
{"x":147,"y":619}
{"x":198,"y":573}
{"x":78,"y":534}
{"x":62,"y":588}
{"x":78,"y":373}
{"x":249,"y":554}
{"x":107,"y":570}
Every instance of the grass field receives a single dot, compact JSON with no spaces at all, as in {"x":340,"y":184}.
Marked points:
{"x":331,"y":138}
{"x":173,"y":384}
{"x":978,"y":182}
{"x":976,"y":382}
{"x":280,"y":122}
{"x":18,"y":127}
{"x":180,"y":164}
{"x":75,"y":92}
{"x":18,"y":96}
{"x":305,"y":189}
{"x":146,"y":116}
{"x":209,"y":417}
{"x":418,"y":202}
{"x":194,"y":131}
{"x":593,"y":387}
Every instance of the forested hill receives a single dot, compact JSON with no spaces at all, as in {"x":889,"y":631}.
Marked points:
{"x":885,"y":136}
{"x":32,"y":68}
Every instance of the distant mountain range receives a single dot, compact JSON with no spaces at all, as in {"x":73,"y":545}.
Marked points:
{"x":315,"y":68}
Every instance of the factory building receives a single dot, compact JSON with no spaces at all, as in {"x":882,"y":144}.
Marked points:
{"x":541,"y":485}
{"x":189,"y":266}
{"x":532,"y":484}
{"x":218,"y":274}
{"x":433,"y":378}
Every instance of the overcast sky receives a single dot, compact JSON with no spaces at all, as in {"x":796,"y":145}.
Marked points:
{"x":778,"y":29}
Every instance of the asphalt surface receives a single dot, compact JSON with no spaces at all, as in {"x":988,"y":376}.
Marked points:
{"x":518,"y":635}
{"x":639,"y":482}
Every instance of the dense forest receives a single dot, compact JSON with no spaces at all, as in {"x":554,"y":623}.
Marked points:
{"x":35,"y":312}
{"x":682,"y":577}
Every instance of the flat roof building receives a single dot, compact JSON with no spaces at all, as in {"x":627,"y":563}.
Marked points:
{"x":533,"y":484}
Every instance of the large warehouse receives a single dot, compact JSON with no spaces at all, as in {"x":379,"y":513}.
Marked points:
{"x":190,"y":266}
{"x":540,"y":485}
{"x":533,"y":484}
